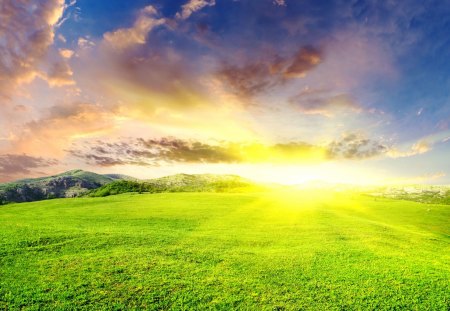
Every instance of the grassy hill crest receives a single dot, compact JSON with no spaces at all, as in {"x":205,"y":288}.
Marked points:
{"x":177,"y":183}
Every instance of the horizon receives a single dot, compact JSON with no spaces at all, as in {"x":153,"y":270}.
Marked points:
{"x":277,"y":91}
{"x":316,"y":183}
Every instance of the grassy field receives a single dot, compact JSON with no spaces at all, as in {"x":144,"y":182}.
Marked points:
{"x":273,"y":251}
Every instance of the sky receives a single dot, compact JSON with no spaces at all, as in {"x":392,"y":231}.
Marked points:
{"x":287,"y":91}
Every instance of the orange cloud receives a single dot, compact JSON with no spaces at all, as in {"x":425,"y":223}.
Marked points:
{"x":53,"y":132}
{"x":60,"y":74}
{"x":28,"y":32}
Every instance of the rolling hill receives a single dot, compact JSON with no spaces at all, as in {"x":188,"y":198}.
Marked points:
{"x":177,"y":183}
{"x":77,"y":183}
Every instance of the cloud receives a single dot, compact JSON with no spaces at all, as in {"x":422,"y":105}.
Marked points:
{"x":137,"y":35}
{"x":303,"y":61}
{"x":279,"y":2}
{"x":355,"y":146}
{"x":419,"y":147}
{"x":257,"y":77}
{"x":60,"y":74}
{"x":27,"y":32}
{"x":153,"y":152}
{"x":164,"y":151}
{"x":12,"y":165}
{"x":66,"y":53}
{"x":56,"y":129}
{"x":128,"y":59}
{"x":193,"y":6}
{"x":322,"y":102}
{"x":248,"y":80}
{"x":84,"y":43}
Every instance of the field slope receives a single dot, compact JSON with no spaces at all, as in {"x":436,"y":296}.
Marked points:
{"x":279,"y":250}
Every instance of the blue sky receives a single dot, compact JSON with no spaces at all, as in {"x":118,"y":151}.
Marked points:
{"x":150,"y":88}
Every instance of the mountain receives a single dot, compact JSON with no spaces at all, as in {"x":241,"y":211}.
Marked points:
{"x":68,"y":184}
{"x":177,"y":183}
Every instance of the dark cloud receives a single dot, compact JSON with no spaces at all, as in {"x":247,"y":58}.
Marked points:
{"x":354,"y":146}
{"x":249,"y":80}
{"x":104,"y":159}
{"x":257,"y":77}
{"x":323,"y":102}
{"x":153,"y":152}
{"x":12,"y":165}
{"x":171,"y":150}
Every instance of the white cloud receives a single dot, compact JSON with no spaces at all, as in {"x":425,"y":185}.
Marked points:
{"x":280,"y":2}
{"x":85,"y":43}
{"x":128,"y":37}
{"x":193,"y":6}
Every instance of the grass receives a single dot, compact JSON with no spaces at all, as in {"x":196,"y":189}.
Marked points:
{"x":256,"y":251}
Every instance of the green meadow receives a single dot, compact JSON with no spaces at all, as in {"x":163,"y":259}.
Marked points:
{"x":280,"y":250}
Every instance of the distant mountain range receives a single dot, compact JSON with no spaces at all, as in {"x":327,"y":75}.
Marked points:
{"x":77,"y":183}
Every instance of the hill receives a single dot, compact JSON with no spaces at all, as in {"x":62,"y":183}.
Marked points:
{"x":78,"y":183}
{"x":177,"y":183}
{"x":68,"y":184}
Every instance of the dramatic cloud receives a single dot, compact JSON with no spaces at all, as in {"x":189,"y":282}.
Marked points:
{"x":26,"y":32}
{"x":322,"y":102}
{"x":233,"y":82}
{"x":192,"y":6}
{"x":171,"y":150}
{"x":128,"y":37}
{"x":257,"y":77}
{"x":12,"y":165}
{"x":354,"y":146}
